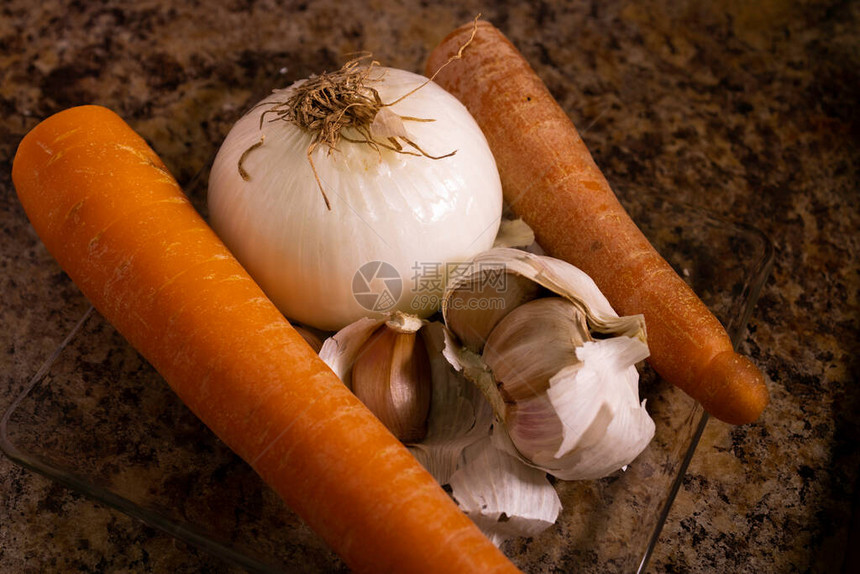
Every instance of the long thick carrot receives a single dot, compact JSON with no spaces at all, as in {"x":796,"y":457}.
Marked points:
{"x":107,"y":209}
{"x":550,"y":180}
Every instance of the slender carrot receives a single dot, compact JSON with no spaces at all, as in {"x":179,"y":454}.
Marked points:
{"x":117,"y":222}
{"x":550,"y":180}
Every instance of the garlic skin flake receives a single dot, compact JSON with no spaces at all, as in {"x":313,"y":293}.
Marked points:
{"x":459,"y":414}
{"x":603,"y":425}
{"x":502,"y":496}
{"x":340,"y":350}
{"x":555,"y":275}
{"x":581,"y":418}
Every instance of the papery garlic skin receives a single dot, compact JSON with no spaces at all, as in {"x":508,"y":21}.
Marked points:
{"x":559,"y":277}
{"x":409,"y":212}
{"x":459,"y":415}
{"x":603,"y":425}
{"x":474,"y":322}
{"x":502,"y":496}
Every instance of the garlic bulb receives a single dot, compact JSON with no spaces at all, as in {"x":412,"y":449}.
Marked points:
{"x":559,"y":371}
{"x":363,"y":219}
{"x":502,"y":495}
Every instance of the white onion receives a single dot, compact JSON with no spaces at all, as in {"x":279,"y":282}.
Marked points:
{"x":414,"y":213}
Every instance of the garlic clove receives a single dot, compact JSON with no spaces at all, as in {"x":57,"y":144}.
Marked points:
{"x":391,"y":376}
{"x":340,"y":350}
{"x":532,"y":343}
{"x":535,"y":428}
{"x":459,"y":413}
{"x":476,"y":303}
{"x":590,"y":422}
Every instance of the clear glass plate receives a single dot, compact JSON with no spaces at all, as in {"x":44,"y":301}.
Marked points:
{"x":97,"y":418}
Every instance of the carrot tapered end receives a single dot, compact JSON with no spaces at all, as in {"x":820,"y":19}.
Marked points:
{"x":738,"y":390}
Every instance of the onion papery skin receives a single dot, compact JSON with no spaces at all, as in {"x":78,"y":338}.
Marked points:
{"x":417,"y":214}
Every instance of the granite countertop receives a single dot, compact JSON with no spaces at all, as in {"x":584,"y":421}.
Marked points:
{"x":748,"y":109}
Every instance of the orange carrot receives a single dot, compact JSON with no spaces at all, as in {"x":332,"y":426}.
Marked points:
{"x":109,"y":211}
{"x":550,"y":180}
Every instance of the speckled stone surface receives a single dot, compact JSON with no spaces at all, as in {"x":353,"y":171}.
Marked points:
{"x":748,"y":109}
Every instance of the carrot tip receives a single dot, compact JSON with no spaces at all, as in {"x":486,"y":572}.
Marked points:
{"x":739,"y":391}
